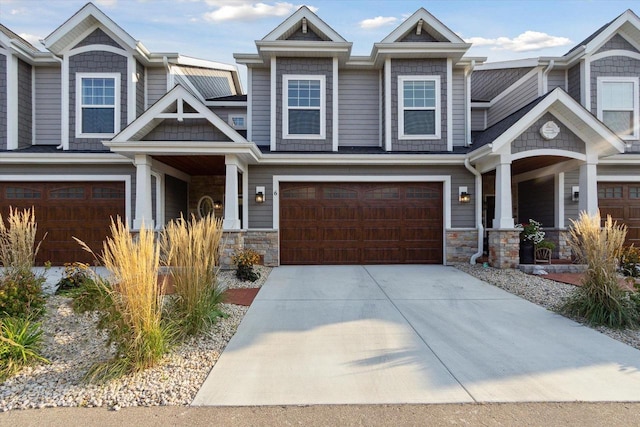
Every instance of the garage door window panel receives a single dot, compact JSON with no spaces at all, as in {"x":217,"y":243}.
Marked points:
{"x":99,"y":193}
{"x":419,"y":107}
{"x":618,"y":99}
{"x":67,"y":193}
{"x":304,"y":107}
{"x":16,"y":193}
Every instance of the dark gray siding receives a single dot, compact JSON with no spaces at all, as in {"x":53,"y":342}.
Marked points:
{"x":261,"y":215}
{"x":516,"y":99}
{"x":95,"y":62}
{"x":573,"y":82}
{"x":3,"y":102}
{"x":139,"y":89}
{"x":571,"y":179}
{"x":458,"y":108}
{"x":419,"y":67}
{"x":532,"y":140}
{"x":617,"y":42}
{"x":477,"y":119}
{"x":556,"y":78}
{"x":260,"y":87}
{"x":25,"y":105}
{"x":156,"y":84}
{"x":487,"y":84}
{"x":176,"y":198}
{"x":310,"y":66}
{"x":189,"y":130}
{"x":98,"y":37}
{"x":359,"y":105}
{"x":48,"y":107}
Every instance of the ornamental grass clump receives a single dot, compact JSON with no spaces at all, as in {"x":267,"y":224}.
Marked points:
{"x":191,"y":250}
{"x":600,"y":300}
{"x":20,"y":343}
{"x":18,"y":247}
{"x":134,"y":313}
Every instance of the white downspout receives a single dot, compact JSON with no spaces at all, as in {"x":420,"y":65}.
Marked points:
{"x":478,"y":175}
{"x":545,"y":77}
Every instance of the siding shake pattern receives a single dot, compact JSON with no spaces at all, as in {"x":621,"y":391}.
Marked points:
{"x":189,"y":130}
{"x":617,"y":42}
{"x":532,"y":140}
{"x":98,"y":37}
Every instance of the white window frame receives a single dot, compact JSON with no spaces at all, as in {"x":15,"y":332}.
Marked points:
{"x":636,"y":101}
{"x":285,"y":106}
{"x":401,"y":108}
{"x":237,"y":116}
{"x":79,"y":105}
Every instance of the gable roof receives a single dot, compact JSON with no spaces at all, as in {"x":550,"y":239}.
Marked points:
{"x":627,"y":23}
{"x":427,"y":23}
{"x":290,"y":25}
{"x":566,"y":109}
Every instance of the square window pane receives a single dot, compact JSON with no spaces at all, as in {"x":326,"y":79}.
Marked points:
{"x":304,"y":122}
{"x":620,"y":122}
{"x":420,"y":122}
{"x":617,"y":96}
{"x":98,"y":120}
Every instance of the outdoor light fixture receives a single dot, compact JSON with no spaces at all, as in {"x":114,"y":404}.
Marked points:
{"x":260,"y":198}
{"x":575,"y":193}
{"x":217,"y":204}
{"x":463,"y":195}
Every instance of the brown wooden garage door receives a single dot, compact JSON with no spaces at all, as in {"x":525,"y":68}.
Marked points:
{"x":66,"y":209}
{"x":357,"y":223}
{"x":621,"y":200}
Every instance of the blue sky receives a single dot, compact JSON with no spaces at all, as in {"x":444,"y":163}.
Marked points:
{"x":215,"y":29}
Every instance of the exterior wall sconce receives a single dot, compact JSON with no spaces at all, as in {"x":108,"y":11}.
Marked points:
{"x":463,"y":195}
{"x":575,"y":193}
{"x":217,"y":204}
{"x":260,"y":197}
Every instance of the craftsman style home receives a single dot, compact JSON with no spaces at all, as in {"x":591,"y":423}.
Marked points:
{"x":415,"y":153}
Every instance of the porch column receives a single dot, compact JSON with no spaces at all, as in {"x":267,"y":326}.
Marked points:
{"x":504,"y":209}
{"x":143,"y":192}
{"x":231,"y":215}
{"x":588,"y":197}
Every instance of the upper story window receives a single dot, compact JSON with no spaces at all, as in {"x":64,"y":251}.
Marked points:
{"x":304,"y":107}
{"x":618,"y":100}
{"x":419,"y":107}
{"x":97,"y":104}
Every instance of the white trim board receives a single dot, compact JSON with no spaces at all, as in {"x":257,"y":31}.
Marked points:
{"x":72,"y":178}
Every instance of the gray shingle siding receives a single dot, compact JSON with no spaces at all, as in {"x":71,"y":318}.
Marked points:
{"x":48,"y":107}
{"x":532,"y":140}
{"x":458,"y":108}
{"x":261,"y":215}
{"x":617,"y":66}
{"x":556,"y":78}
{"x":359,"y":103}
{"x":412,"y":37}
{"x":260,"y":87}
{"x":516,"y":99}
{"x":3,"y":102}
{"x":156,"y":84}
{"x":571,"y":179}
{"x":95,"y":62}
{"x":189,"y":130}
{"x":309,"y":36}
{"x":139,"y":89}
{"x":310,"y":66}
{"x":25,"y":105}
{"x":487,"y":84}
{"x":98,"y":37}
{"x":617,"y":42}
{"x":573,"y":82}
{"x":419,"y":67}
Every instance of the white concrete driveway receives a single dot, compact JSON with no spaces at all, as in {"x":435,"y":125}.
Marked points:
{"x":410,"y":334}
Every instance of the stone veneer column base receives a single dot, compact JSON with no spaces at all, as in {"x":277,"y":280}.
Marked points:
{"x":564,"y":250}
{"x":504,"y":248}
{"x":264,"y":242}
{"x":461,"y":244}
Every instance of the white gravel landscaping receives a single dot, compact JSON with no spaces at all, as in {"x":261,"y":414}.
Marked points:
{"x":73,"y":344}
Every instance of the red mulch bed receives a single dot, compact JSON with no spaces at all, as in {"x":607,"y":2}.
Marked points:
{"x":576,"y":279}
{"x":240,"y":296}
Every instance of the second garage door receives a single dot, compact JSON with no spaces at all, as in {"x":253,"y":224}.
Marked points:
{"x":361,"y":223}
{"x":621,"y":200}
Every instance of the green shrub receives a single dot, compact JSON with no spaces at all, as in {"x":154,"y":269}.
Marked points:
{"x":20,"y":342}
{"x":73,"y":277}
{"x":92,"y":295}
{"x":600,"y":300}
{"x":21,"y":295}
{"x":546,"y":244}
{"x":191,"y":251}
{"x":244,"y":261}
{"x":630,"y":261}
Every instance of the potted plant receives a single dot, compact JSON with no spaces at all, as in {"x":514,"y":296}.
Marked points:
{"x":530,"y":236}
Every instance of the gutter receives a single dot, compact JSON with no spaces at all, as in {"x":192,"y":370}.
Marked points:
{"x":478,"y":175}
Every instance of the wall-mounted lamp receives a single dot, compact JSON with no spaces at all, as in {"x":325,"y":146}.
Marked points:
{"x":260,"y":197}
{"x":217,"y":204}
{"x":575,"y":193}
{"x":463,"y":195}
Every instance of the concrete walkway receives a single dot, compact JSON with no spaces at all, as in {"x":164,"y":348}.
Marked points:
{"x":410,"y":334}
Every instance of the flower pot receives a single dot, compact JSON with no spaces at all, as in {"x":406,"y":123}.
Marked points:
{"x":526,"y":252}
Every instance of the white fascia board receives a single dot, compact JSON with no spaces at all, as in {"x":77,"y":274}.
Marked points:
{"x":518,"y":63}
{"x":248,"y":58}
{"x":311,"y":48}
{"x":226,"y":103}
{"x":608,"y":32}
{"x":63,"y":157}
{"x":203,"y":63}
{"x":481,"y":105}
{"x":185,"y":147}
{"x":362,"y":159}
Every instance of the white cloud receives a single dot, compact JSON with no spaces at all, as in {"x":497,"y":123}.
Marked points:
{"x":525,"y":42}
{"x":33,"y":39}
{"x":377,"y":22}
{"x":243,"y":10}
{"x":107,"y":3}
